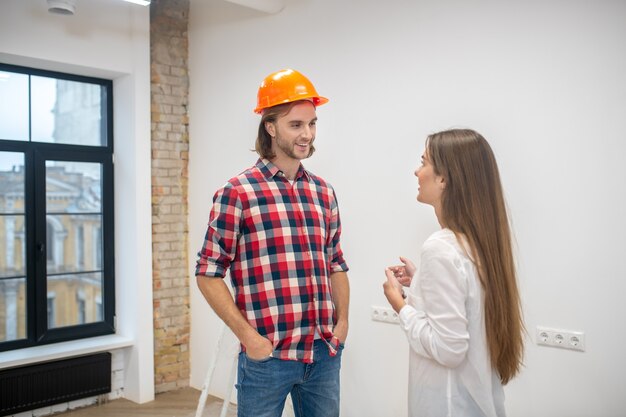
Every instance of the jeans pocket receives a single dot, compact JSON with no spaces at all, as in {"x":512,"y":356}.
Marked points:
{"x":264,"y":360}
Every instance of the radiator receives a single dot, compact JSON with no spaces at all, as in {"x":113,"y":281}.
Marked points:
{"x":47,"y":383}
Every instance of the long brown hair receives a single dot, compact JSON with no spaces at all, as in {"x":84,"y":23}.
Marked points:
{"x":263,"y":144}
{"x":472,"y":205}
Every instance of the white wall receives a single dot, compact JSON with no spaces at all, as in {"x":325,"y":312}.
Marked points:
{"x":542,"y":81}
{"x":108,"y":39}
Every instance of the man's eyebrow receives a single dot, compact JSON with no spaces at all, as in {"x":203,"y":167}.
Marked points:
{"x":302,"y":121}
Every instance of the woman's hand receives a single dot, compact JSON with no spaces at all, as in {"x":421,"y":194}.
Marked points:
{"x":404,"y":273}
{"x":393,"y":291}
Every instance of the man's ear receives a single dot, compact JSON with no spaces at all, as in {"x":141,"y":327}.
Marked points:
{"x":270,"y":128}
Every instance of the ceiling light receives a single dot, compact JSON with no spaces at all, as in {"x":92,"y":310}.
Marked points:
{"x":267,"y":6}
{"x":66,"y":7}
{"x":142,"y":2}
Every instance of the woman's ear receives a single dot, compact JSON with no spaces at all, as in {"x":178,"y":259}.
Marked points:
{"x":270,"y":128}
{"x":442,"y":182}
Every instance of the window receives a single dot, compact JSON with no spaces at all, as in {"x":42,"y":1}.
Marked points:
{"x":56,"y":207}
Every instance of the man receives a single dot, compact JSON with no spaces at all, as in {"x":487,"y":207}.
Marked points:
{"x":277,"y":227}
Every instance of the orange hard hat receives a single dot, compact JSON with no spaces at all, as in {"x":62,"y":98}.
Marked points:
{"x":286,"y":86}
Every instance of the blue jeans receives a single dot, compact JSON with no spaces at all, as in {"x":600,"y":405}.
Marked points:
{"x":263,"y":386}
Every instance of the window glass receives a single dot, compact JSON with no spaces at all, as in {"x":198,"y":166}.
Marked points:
{"x":79,"y":295}
{"x":12,"y":309}
{"x":67,"y":112}
{"x":13,"y":106}
{"x":12,"y":247}
{"x":12,"y":225}
{"x":11,"y":183}
{"x":71,"y":243}
{"x":73,"y":187}
{"x":73,"y":224}
{"x":51,"y":309}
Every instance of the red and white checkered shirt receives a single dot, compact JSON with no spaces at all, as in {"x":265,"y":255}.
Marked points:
{"x":281,"y":242}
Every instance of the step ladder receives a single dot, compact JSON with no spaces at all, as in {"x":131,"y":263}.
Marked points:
{"x":228,"y":346}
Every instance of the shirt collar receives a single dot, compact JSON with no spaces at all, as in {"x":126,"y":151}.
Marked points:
{"x":269,"y":170}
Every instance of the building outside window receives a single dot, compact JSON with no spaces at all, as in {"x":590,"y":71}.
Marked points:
{"x":51,"y":313}
{"x":56,"y":207}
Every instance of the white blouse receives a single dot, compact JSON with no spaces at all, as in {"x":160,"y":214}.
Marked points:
{"x":450,"y":372}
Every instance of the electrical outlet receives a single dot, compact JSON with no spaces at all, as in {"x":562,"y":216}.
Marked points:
{"x":385,"y":315}
{"x":564,"y":339}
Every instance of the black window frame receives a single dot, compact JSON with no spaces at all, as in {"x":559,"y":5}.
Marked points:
{"x":35,"y":156}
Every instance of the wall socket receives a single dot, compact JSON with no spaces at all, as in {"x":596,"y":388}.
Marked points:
{"x":385,"y":314}
{"x":564,"y":339}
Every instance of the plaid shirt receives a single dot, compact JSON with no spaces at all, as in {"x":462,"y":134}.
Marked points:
{"x":281,"y":242}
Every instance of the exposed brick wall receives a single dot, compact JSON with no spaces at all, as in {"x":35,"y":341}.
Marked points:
{"x":170,"y":157}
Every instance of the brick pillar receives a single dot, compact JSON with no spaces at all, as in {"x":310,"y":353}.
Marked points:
{"x":170,"y":157}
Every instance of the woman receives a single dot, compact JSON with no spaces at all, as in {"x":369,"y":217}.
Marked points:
{"x":462,"y":314}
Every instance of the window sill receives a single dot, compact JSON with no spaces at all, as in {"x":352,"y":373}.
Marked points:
{"x":62,"y":350}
